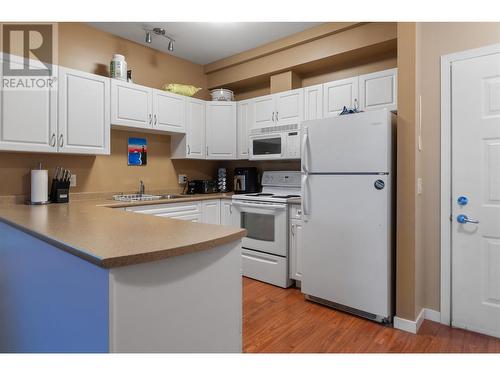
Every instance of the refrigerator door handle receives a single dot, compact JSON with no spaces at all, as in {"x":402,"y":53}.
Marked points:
{"x":303,"y":150}
{"x":305,"y":198}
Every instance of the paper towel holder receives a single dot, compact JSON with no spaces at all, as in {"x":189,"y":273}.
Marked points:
{"x":30,"y":202}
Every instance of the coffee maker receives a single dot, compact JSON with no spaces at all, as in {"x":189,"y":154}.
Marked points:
{"x":246,"y":180}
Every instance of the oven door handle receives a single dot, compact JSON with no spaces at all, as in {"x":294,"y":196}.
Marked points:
{"x":260,"y":205}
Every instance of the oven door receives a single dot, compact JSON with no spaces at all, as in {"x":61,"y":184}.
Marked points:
{"x":267,"y":147}
{"x":266,"y":225}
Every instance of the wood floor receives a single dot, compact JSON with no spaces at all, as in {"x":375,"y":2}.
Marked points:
{"x":279,"y":320}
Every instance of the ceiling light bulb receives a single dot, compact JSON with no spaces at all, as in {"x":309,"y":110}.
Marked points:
{"x":171,"y":46}
{"x":148,"y":37}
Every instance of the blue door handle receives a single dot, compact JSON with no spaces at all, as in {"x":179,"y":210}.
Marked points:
{"x":463,"y":219}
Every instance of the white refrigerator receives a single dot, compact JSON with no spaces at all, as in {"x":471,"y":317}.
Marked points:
{"x":347,"y":210}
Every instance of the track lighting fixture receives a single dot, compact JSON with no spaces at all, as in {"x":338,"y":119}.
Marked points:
{"x":161,"y":32}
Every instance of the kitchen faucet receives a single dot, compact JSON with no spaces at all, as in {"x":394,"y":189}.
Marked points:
{"x":141,"y":188}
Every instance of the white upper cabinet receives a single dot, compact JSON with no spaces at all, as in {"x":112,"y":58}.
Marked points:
{"x":289,"y":107}
{"x":221,"y":130}
{"x":84,"y":113}
{"x":283,"y":108}
{"x":264,"y":110}
{"x":379,"y":90}
{"x":313,"y":102}
{"x":131,"y":105}
{"x":338,"y":94}
{"x":169,"y":111}
{"x":28,"y":118}
{"x":195,"y":132}
{"x":245,"y":121}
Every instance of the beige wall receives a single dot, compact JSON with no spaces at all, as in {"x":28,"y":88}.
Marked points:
{"x":439,"y":39}
{"x":85,"y":48}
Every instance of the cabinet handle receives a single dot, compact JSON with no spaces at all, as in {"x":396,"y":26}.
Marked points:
{"x":189,"y":150}
{"x":273,"y":116}
{"x":230,"y":208}
{"x":155,"y":119}
{"x":207,"y":150}
{"x":150,"y":119}
{"x":277,"y":116}
{"x":61,"y":141}
{"x":299,"y":212}
{"x":293,"y":230}
{"x":53,"y":140}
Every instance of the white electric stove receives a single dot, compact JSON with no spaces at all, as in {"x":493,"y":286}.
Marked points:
{"x":265,"y":217}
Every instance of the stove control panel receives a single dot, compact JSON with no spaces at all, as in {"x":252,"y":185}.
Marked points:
{"x":281,"y":178}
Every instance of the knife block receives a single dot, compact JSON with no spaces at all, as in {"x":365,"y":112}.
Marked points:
{"x":59,"y":192}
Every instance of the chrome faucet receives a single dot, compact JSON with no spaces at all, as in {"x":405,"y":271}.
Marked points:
{"x":141,"y":188}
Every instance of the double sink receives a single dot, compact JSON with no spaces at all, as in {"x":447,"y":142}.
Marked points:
{"x":143,"y":197}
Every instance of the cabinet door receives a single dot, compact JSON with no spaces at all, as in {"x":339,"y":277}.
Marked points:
{"x":289,"y":107}
{"x":221,"y":130}
{"x":195,"y":129}
{"x":313,"y":102}
{"x":226,"y":213}
{"x":245,"y":121}
{"x":379,"y":90}
{"x":84,"y":113}
{"x":338,"y":94}
{"x":296,"y":249}
{"x":169,"y":112}
{"x":28,"y":117}
{"x":210,"y":212}
{"x":131,"y":105}
{"x":264,"y":108}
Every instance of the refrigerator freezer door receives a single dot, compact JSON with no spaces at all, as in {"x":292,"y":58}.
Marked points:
{"x":356,"y":143}
{"x":347,"y":241}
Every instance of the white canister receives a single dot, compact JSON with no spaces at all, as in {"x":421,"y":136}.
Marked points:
{"x":118,"y":67}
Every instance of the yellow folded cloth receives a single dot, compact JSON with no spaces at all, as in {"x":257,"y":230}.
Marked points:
{"x":181,"y":89}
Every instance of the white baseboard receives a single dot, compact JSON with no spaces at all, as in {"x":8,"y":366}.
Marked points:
{"x":432,"y":315}
{"x":413,"y":326}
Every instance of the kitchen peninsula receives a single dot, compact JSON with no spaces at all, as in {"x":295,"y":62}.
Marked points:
{"x":89,"y":276}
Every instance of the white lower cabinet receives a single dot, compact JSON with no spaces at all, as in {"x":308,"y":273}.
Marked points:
{"x":226,"y":213}
{"x":210,"y":211}
{"x":296,"y":247}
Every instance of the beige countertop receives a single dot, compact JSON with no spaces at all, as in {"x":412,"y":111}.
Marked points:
{"x":92,"y":230}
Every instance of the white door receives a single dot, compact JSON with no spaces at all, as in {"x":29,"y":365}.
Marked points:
{"x":296,"y":249}
{"x":264,"y":111}
{"x":28,"y":118}
{"x":347,"y":236}
{"x":169,"y":112}
{"x":84,"y":112}
{"x":131,"y":105}
{"x":195,"y":128}
{"x":313,"y":102}
{"x":379,"y":90}
{"x":289,"y":107}
{"x":221,"y":130}
{"x":245,"y":121}
{"x":476,"y":194}
{"x":210,"y":211}
{"x":338,"y":94}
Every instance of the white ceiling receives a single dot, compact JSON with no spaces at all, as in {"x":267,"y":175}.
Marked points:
{"x":206,"y":42}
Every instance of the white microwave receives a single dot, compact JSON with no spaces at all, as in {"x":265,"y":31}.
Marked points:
{"x":275,"y":142}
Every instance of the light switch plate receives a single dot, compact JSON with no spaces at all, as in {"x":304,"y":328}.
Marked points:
{"x":72,"y":181}
{"x":182,"y":179}
{"x":419,"y":185}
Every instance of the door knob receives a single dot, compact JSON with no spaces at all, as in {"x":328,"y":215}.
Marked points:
{"x":463,"y":219}
{"x":462,"y":200}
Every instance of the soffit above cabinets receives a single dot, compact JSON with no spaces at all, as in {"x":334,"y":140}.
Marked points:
{"x":206,"y":42}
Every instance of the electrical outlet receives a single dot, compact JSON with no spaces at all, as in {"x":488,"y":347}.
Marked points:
{"x":72,"y":181}
{"x":182,"y":179}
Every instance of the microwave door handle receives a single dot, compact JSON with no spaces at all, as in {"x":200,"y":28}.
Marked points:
{"x":303,"y":150}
